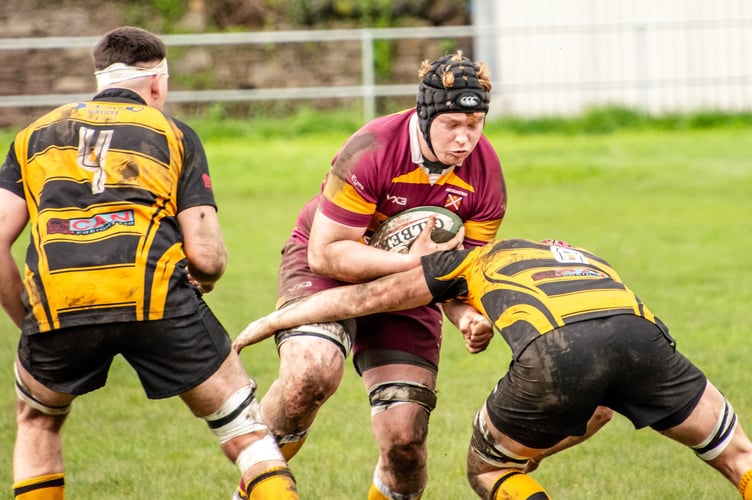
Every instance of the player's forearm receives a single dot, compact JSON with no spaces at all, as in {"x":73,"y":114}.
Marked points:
{"x":391,"y":293}
{"x":323,"y":307}
{"x":454,"y":310}
{"x":10,"y":292}
{"x":203,"y":245}
{"x":354,"y":262}
{"x":332,"y":305}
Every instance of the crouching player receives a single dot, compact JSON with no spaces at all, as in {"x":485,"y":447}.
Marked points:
{"x":581,"y":342}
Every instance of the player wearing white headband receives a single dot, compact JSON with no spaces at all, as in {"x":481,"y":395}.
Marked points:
{"x":125,"y":241}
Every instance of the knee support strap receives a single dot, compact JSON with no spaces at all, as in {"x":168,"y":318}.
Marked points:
{"x":238,"y":415}
{"x":385,"y":394}
{"x":483,"y":443}
{"x":720,"y":438}
{"x":339,"y":333}
{"x":24,"y":394}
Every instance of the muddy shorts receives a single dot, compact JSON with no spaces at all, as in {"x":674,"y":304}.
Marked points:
{"x":623,"y":362}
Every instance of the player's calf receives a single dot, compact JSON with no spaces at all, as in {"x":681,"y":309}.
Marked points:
{"x":290,"y":444}
{"x":273,"y":483}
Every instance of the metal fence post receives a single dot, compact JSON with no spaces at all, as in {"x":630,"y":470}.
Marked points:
{"x":367,"y":64}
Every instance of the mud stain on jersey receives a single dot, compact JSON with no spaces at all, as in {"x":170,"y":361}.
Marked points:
{"x":351,"y":153}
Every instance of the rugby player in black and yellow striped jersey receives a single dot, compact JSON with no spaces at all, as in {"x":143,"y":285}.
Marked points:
{"x":581,"y":341}
{"x":124,"y":240}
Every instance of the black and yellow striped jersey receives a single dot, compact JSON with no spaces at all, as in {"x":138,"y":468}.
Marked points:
{"x":103,"y":181}
{"x":529,"y":288}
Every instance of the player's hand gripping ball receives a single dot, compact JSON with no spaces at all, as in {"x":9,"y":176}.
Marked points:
{"x":399,"y":232}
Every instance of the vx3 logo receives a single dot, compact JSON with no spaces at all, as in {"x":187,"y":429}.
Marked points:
{"x":397,"y":200}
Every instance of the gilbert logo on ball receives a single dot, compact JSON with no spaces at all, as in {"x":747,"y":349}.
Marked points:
{"x":397,"y":233}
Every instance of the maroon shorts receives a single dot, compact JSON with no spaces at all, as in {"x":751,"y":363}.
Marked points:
{"x":415,"y":331}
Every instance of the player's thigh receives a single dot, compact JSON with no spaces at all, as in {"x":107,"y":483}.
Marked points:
{"x":416,"y":332}
{"x":551,"y":389}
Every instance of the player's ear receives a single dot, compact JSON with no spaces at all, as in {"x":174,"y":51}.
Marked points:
{"x":157,"y":91}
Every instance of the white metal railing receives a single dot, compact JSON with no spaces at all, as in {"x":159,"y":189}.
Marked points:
{"x":368,"y":90}
{"x":537,"y":69}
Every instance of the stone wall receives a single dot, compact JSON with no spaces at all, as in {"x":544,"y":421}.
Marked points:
{"x":53,"y":71}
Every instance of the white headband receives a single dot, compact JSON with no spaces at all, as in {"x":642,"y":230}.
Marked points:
{"x":119,"y":72}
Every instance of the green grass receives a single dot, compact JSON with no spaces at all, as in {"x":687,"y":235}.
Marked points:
{"x":669,"y":208}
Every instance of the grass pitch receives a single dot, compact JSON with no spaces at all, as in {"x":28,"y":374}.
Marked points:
{"x":669,"y":209}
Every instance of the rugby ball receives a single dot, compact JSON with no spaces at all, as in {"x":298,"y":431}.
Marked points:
{"x":397,"y":233}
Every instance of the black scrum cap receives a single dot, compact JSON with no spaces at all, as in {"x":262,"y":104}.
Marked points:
{"x":442,"y":92}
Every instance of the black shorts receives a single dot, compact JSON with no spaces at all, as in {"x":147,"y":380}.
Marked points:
{"x":624,"y":362}
{"x":170,"y":356}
